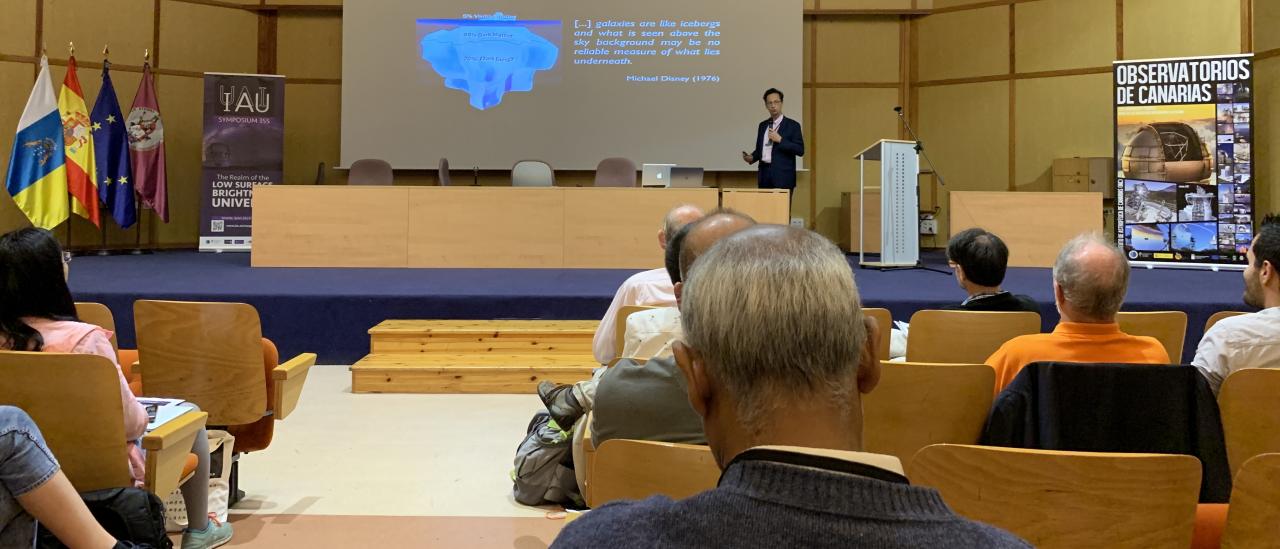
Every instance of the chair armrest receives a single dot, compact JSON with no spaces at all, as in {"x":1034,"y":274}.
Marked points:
{"x":167,"y":448}
{"x":287,"y":381}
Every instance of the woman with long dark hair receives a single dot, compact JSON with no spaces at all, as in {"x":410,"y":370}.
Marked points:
{"x":37,"y":313}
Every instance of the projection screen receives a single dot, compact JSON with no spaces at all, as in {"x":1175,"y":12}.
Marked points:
{"x":488,"y":83}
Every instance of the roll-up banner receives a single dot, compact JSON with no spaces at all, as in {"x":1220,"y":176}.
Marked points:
{"x":1184,"y":160}
{"x":243,"y":147}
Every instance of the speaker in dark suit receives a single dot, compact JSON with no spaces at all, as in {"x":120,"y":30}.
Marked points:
{"x":779,"y":140}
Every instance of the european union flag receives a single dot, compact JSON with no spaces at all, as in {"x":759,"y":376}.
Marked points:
{"x":111,"y":143}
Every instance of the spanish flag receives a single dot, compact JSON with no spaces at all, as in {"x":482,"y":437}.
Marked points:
{"x":37,"y":178}
{"x":77,"y":135}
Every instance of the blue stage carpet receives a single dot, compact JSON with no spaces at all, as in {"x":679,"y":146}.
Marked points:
{"x":328,"y":311}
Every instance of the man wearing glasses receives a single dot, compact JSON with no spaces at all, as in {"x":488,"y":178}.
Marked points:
{"x":778,"y":142}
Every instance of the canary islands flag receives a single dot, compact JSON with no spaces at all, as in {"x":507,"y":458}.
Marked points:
{"x":37,"y":178}
{"x":77,"y":136}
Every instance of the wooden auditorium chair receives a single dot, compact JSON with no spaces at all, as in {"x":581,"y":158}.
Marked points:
{"x":620,"y":328}
{"x":916,"y":405}
{"x":1215,"y":317}
{"x":1249,"y":403}
{"x":75,"y":399}
{"x":1254,"y":518}
{"x":214,"y":355}
{"x":1067,"y":499}
{"x":1168,"y":327}
{"x":637,"y":469}
{"x":884,"y":319}
{"x":964,"y":337}
{"x":99,"y":315}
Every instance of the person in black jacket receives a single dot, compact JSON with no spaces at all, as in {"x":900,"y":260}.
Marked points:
{"x":979,"y":260}
{"x":779,"y":140}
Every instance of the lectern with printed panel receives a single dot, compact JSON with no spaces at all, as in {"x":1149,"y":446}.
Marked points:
{"x":899,"y":203}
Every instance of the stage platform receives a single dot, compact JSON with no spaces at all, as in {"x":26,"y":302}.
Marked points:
{"x":329,"y":311}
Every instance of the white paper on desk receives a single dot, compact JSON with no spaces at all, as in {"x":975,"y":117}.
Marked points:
{"x":166,"y":412}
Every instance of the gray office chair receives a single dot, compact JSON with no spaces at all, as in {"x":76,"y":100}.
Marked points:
{"x":443,"y":173}
{"x":616,"y":172}
{"x":370,"y":171}
{"x":532,"y":173}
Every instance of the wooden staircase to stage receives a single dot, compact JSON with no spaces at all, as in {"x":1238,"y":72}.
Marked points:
{"x":474,"y":356}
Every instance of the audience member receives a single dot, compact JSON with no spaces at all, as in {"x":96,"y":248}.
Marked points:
{"x":775,"y":353}
{"x":1251,"y":340}
{"x":979,"y":260}
{"x":32,"y":486}
{"x":647,"y":399}
{"x":1090,"y":279}
{"x":651,"y":288}
{"x":37,"y":313}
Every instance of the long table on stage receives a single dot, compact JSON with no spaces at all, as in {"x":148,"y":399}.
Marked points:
{"x":468,"y":227}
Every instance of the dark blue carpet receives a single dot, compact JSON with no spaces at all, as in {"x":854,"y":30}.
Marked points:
{"x":328,"y":311}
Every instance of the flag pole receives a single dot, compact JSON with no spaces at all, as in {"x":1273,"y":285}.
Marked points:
{"x":104,"y":250}
{"x":137,"y":200}
{"x":71,"y":46}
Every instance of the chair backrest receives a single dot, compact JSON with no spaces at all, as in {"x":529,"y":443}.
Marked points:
{"x":443,"y":173}
{"x":1254,"y":517}
{"x":964,"y":337}
{"x":207,"y":353}
{"x":884,"y":319}
{"x":916,"y":405}
{"x":620,"y":326}
{"x":1215,"y":317}
{"x":1249,"y":403}
{"x":1169,"y":327}
{"x":532,"y":173}
{"x":616,"y":172}
{"x":75,"y":400}
{"x":637,"y":469}
{"x":98,"y":315}
{"x":370,"y":171}
{"x":1067,"y":499}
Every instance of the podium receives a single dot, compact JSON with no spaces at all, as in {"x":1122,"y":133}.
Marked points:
{"x":899,"y":203}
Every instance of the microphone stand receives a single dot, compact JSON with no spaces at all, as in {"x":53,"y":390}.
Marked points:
{"x":920,"y":151}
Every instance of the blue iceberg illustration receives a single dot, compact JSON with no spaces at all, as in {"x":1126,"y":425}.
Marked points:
{"x":486,"y":59}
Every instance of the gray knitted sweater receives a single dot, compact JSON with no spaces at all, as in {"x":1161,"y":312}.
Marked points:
{"x":777,"y":501}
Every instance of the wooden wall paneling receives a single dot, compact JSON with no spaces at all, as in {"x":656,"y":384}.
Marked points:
{"x":268,"y":29}
{"x":764,"y":205}
{"x":124,"y":24}
{"x":182,"y":106}
{"x":19,"y":27}
{"x":1266,"y":85}
{"x":600,"y":234}
{"x":858,"y":50}
{"x":965,"y":128}
{"x":853,"y":119}
{"x":312,"y":126}
{"x":1164,"y":28}
{"x":811,"y":162}
{"x":1034,"y":225}
{"x":1013,"y":94}
{"x":1266,"y":25}
{"x":310,"y":45}
{"x":1057,"y":34}
{"x":944,"y":4}
{"x":479,"y":227}
{"x":964,"y":43}
{"x":1044,"y":133}
{"x":202,"y":38}
{"x":15,"y":85}
{"x":807,"y":48}
{"x":314,"y":2}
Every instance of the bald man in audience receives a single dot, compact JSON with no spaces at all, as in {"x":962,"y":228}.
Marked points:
{"x":644,"y":399}
{"x":1090,"y":279}
{"x":1251,"y":340}
{"x":651,"y":288}
{"x":775,"y":354}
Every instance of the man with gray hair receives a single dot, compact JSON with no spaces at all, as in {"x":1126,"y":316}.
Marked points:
{"x":1090,"y":279}
{"x":775,"y":355}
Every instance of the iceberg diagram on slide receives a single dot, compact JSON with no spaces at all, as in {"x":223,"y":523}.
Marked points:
{"x":488,"y":58}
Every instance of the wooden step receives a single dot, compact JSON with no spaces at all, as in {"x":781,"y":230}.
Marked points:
{"x":483,"y":336}
{"x":465,"y":373}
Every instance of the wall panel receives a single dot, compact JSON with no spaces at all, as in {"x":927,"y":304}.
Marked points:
{"x":1266,"y":85}
{"x":1041,"y":135}
{"x":852,"y":119}
{"x":964,"y":43}
{"x":201,"y":38}
{"x":125,"y":25}
{"x":19,"y":36}
{"x":966,"y":130}
{"x":1064,"y":34}
{"x":309,"y":46}
{"x":857,"y":50}
{"x":311,"y":132}
{"x":1266,"y":25}
{"x":1176,"y":28}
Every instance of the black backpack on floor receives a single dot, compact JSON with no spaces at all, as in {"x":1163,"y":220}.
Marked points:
{"x":129,"y":514}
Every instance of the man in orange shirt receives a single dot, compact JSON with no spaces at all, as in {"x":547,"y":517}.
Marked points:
{"x":1090,"y":279}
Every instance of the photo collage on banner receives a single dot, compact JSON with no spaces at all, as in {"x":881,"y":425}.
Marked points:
{"x":1183,"y":150}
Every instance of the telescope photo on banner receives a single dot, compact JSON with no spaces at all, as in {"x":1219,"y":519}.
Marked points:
{"x":1184,"y":160}
{"x":243,"y":147}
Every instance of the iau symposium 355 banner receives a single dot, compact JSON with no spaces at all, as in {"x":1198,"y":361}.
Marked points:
{"x":243,"y":147}
{"x":1184,"y":160}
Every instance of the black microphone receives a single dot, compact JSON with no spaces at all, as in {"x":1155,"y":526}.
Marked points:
{"x":897,"y":109}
